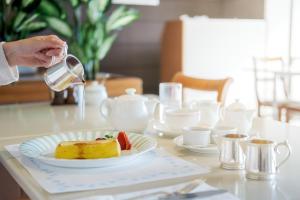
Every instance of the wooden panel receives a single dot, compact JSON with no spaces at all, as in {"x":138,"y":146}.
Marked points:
{"x":253,"y":9}
{"x":171,"y":50}
{"x":35,"y":91}
{"x":24,"y":91}
{"x":117,"y":86}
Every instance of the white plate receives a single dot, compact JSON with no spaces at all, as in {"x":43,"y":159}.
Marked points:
{"x":43,"y":149}
{"x":210,"y":149}
{"x":163,"y":128}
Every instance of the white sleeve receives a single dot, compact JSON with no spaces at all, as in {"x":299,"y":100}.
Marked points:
{"x":8,"y":74}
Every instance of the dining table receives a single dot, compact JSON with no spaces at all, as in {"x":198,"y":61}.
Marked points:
{"x":20,"y":122}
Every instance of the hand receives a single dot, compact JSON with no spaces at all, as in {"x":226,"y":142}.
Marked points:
{"x":40,"y":51}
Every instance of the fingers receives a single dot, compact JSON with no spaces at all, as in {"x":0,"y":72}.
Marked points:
{"x":52,"y":41}
{"x":55,"y":52}
{"x":50,"y":57}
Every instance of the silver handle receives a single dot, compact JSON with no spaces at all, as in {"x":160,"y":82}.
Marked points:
{"x":288,"y":154}
{"x":65,"y":51}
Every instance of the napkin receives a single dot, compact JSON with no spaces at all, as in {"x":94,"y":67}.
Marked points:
{"x":169,"y":189}
{"x":153,"y":166}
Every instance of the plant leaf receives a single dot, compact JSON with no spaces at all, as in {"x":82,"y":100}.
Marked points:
{"x":31,"y":6}
{"x":59,"y":26}
{"x":104,"y":4}
{"x":26,"y":22}
{"x":49,"y":8}
{"x":123,"y":21}
{"x":117,"y":13}
{"x":18,"y":19}
{"x":105,"y":47}
{"x":93,"y":11}
{"x":25,"y":3}
{"x":99,"y":35}
{"x":35,"y":26}
{"x":74,"y":3}
{"x":77,"y":51}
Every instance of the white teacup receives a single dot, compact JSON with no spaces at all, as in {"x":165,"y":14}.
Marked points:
{"x":221,"y":131}
{"x":179,"y":118}
{"x":196,"y":136}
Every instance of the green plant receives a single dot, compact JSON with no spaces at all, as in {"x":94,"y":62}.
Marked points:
{"x":20,"y":18}
{"x":91,"y":36}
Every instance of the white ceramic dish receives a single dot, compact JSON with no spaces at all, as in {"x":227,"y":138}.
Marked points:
{"x":196,"y":135}
{"x":42,"y":149}
{"x":210,"y":149}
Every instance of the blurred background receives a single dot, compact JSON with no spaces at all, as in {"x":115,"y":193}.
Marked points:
{"x":257,"y":43}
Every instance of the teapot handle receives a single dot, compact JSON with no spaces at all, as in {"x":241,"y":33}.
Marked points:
{"x":288,"y":154}
{"x":105,"y":108}
{"x":221,"y":113}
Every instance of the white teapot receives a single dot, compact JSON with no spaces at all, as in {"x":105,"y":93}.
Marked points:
{"x":129,"y":112}
{"x":238,"y":116}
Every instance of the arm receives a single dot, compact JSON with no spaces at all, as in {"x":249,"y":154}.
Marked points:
{"x":8,"y":74}
{"x":40,"y":51}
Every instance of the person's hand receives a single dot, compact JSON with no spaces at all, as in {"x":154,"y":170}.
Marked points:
{"x":40,"y":51}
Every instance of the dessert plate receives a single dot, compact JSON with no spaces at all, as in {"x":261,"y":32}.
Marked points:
{"x":210,"y":149}
{"x":43,"y":148}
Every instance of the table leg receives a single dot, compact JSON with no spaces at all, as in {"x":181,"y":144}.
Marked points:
{"x":9,"y":189}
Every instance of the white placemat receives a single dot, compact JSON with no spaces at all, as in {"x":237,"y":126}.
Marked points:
{"x":153,"y":166}
{"x":170,"y":189}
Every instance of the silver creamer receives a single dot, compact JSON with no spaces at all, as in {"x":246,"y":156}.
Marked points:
{"x":261,"y":158}
{"x":231,"y":153}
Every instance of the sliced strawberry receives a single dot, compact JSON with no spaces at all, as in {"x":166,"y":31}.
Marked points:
{"x":124,"y":141}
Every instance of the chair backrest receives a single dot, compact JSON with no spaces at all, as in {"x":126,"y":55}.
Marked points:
{"x":264,"y":75}
{"x":219,"y":85}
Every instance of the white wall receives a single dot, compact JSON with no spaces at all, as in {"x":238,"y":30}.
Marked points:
{"x":219,"y":48}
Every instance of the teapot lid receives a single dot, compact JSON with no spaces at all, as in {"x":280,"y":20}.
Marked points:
{"x":95,"y":87}
{"x":130,"y":95}
{"x":236,"y":106}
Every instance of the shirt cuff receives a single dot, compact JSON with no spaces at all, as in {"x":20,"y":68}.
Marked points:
{"x":8,"y":74}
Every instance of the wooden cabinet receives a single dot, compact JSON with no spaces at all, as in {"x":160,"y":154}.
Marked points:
{"x":37,"y":90}
{"x":171,"y":58}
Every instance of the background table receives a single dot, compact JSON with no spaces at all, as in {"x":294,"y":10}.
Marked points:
{"x":34,"y":89}
{"x":20,"y":122}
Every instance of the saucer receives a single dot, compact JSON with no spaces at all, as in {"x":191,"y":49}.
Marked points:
{"x":210,"y":149}
{"x":167,"y":131}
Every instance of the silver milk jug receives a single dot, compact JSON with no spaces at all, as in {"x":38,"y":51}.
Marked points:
{"x":231,"y":153}
{"x":261,"y":158}
{"x":62,"y":75}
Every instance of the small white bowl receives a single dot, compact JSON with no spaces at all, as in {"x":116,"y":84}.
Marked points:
{"x":196,"y":136}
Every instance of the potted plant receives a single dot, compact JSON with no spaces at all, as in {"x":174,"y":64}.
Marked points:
{"x":91,"y":30}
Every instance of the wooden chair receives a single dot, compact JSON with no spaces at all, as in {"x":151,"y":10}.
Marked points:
{"x":220,"y":86}
{"x":265,"y":69}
